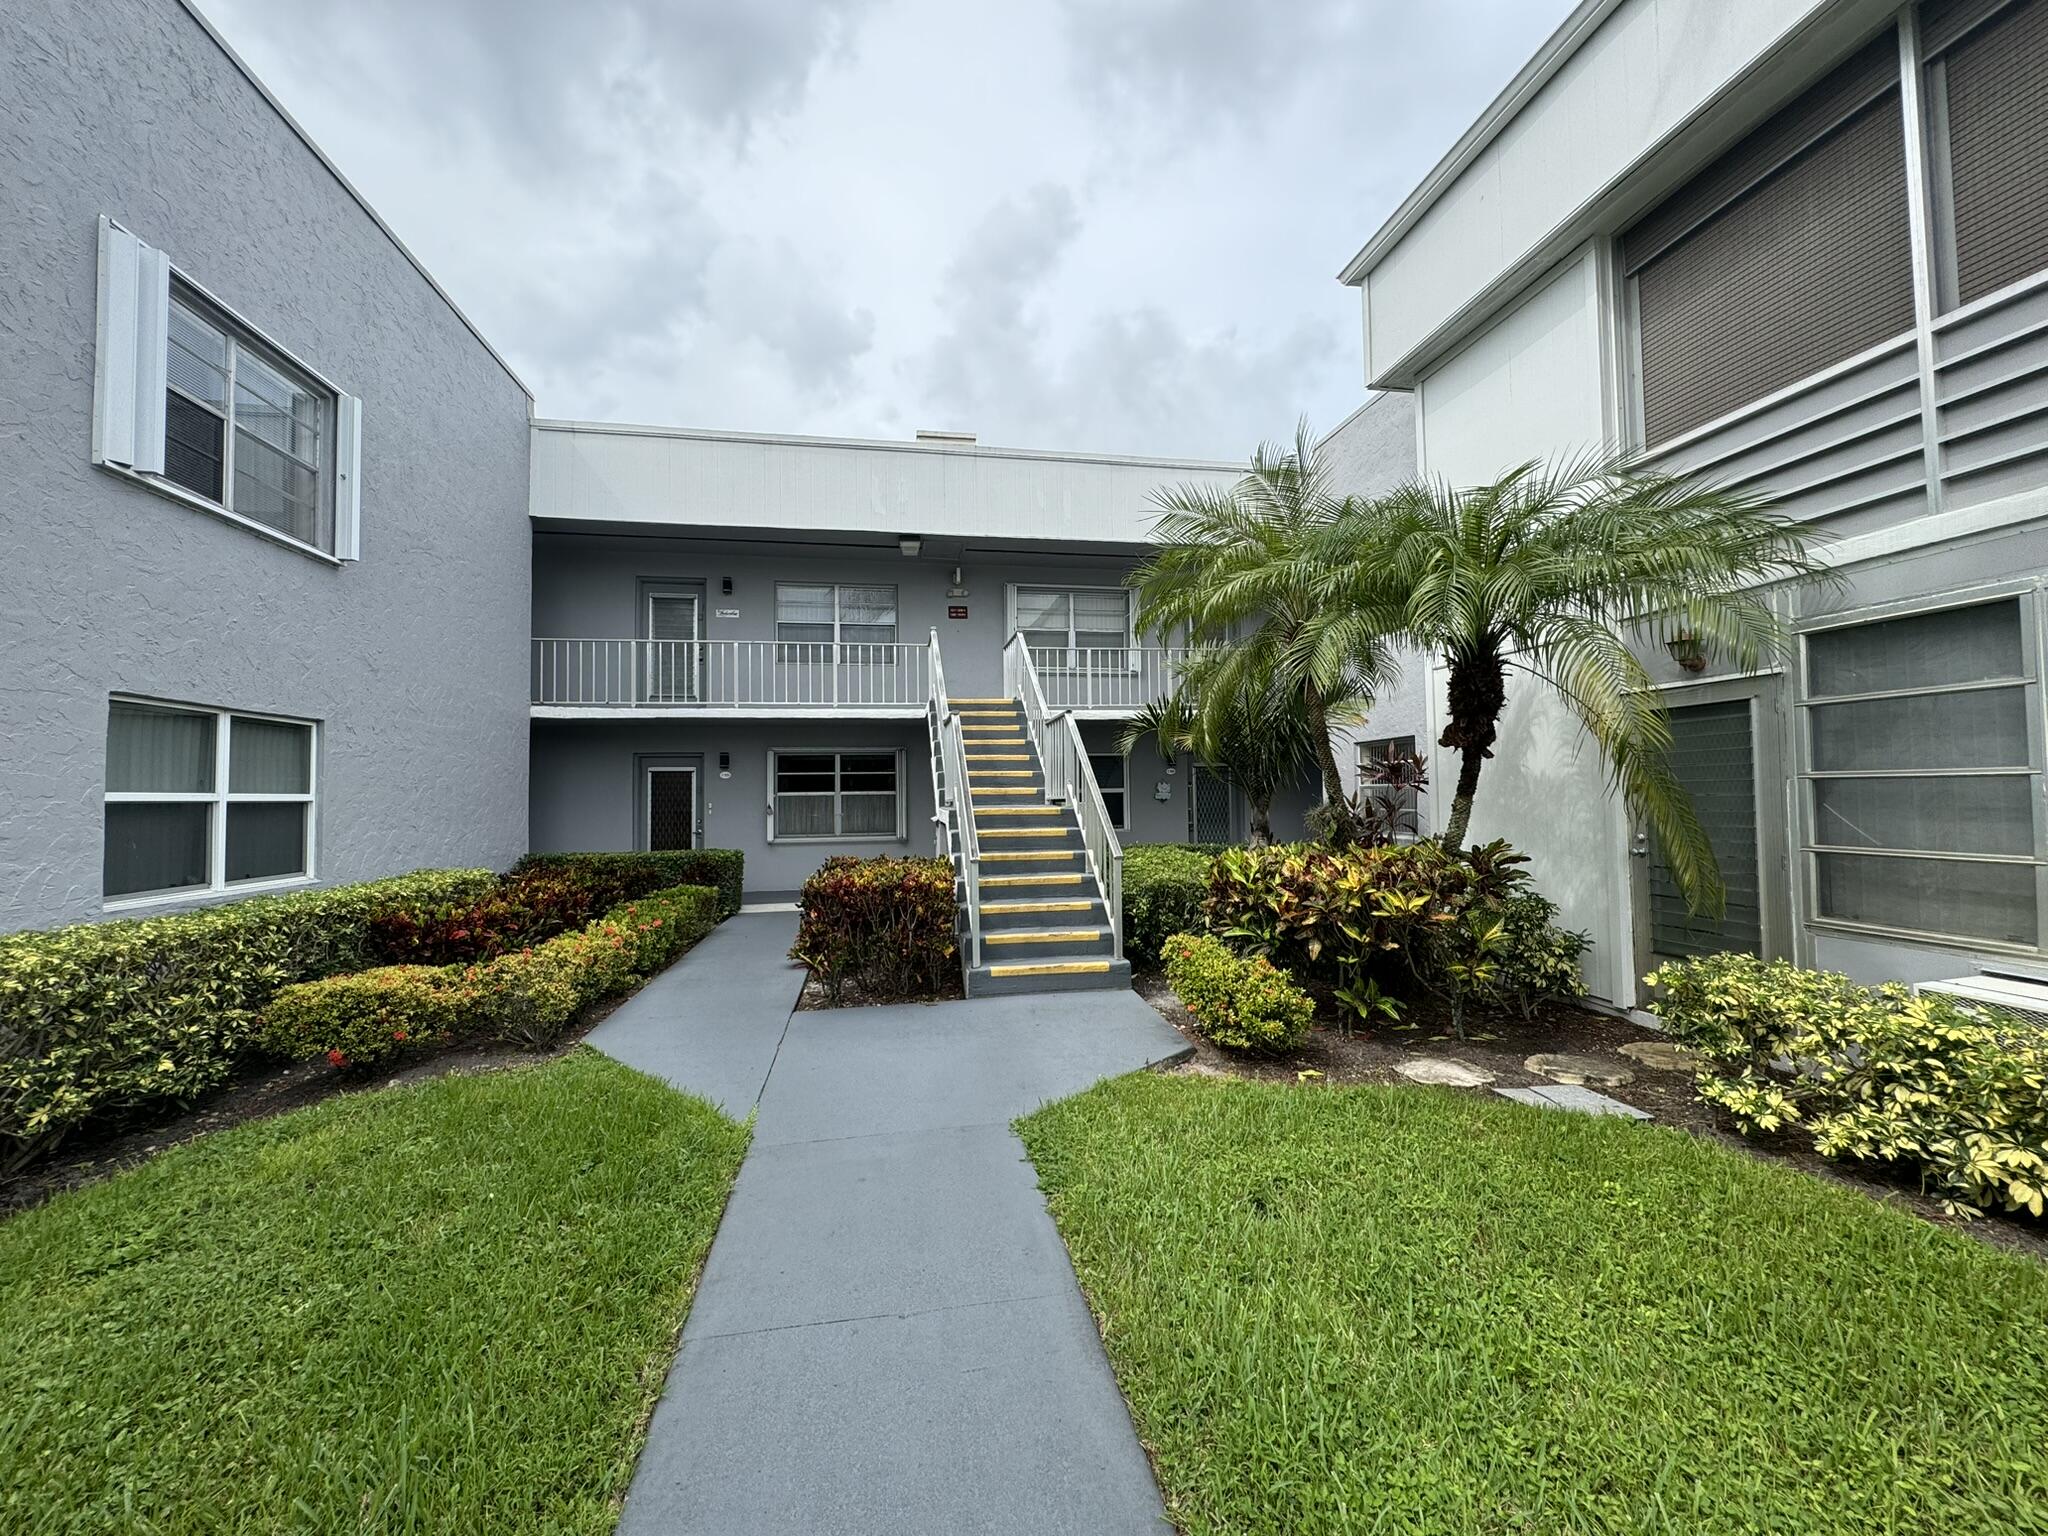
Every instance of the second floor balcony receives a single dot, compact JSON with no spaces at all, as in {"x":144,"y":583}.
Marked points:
{"x":779,"y":678}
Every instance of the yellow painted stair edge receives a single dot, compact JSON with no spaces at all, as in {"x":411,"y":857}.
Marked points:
{"x":1053,"y":968}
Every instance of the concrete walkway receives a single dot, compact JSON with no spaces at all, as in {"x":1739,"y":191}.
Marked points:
{"x":887,"y":1336}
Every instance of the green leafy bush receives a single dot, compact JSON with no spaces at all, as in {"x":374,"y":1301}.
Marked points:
{"x":723,"y":869}
{"x":109,"y":1018}
{"x":528,"y":996}
{"x":1537,"y":960}
{"x":1240,"y":1002}
{"x":1878,"y":1074}
{"x":1164,"y":887}
{"x":888,"y":926}
{"x":517,"y":913}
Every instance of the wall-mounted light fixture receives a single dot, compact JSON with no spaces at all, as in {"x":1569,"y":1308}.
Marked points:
{"x":725,"y":765}
{"x":725,"y":586}
{"x":910,"y":544}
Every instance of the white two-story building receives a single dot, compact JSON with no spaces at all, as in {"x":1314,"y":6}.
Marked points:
{"x":1802,"y":247}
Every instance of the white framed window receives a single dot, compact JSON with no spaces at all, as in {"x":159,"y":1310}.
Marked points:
{"x":1113,"y":778}
{"x":1074,"y":628}
{"x":810,"y":616}
{"x":815,"y":796}
{"x":205,"y":800}
{"x":1922,"y":757}
{"x":190,"y":400}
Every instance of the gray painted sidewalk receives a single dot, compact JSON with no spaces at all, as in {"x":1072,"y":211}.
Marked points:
{"x":713,"y":1021}
{"x":887,"y":1336}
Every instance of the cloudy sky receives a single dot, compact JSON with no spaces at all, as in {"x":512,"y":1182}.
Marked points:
{"x":1108,"y":224}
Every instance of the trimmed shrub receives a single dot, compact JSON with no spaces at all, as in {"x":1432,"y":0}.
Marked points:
{"x":109,"y":1018}
{"x":366,"y":1016}
{"x":1878,"y":1074}
{"x":885,"y":925}
{"x":635,"y":874}
{"x":1242,"y":1003}
{"x":528,"y":996}
{"x":519,"y":912}
{"x":1164,"y":886}
{"x":1538,"y":961}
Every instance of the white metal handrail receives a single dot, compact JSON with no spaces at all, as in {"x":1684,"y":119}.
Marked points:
{"x":729,"y":674}
{"x":1121,"y":678}
{"x":1064,"y":758}
{"x":954,"y":801}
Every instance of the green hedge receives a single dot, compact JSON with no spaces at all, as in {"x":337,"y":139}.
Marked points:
{"x":1957,"y":1091}
{"x":529,"y":996}
{"x":1164,"y":885}
{"x":723,"y":869}
{"x":104,"y":1018}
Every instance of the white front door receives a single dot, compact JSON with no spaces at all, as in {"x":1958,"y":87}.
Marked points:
{"x":671,"y":800}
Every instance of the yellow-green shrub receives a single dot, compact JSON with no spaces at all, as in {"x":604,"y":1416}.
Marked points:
{"x":1164,"y":886}
{"x":529,"y":996}
{"x":1879,"y":1074}
{"x":1242,"y":1003}
{"x":106,"y":1018}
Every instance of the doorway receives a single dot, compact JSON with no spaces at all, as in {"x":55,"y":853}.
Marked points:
{"x":673,"y":620}
{"x":671,"y":808}
{"x":1208,"y":806}
{"x":1724,"y":751}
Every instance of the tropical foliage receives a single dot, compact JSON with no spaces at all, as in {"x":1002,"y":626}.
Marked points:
{"x":1243,"y":575}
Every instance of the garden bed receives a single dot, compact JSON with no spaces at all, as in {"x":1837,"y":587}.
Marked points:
{"x":1334,"y":1309}
{"x":445,"y":1306}
{"x":1348,"y":1056}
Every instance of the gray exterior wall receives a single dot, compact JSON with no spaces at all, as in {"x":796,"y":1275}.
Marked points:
{"x":1371,"y":452}
{"x":413,"y":660}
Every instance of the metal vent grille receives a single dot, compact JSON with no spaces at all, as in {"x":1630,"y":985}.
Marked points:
{"x":1998,"y":150}
{"x":2021,"y":996}
{"x":1809,"y":267}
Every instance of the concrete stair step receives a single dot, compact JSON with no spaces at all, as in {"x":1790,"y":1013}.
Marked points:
{"x":1070,"y":973}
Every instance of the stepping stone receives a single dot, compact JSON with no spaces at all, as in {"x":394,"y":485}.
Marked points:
{"x":1443,"y":1072}
{"x":1572,"y":1096}
{"x":1589,"y":1070}
{"x":1660,"y":1055}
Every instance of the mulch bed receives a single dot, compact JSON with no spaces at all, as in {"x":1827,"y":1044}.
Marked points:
{"x":814,"y":995}
{"x":1499,"y":1043}
{"x":96,"y":1152}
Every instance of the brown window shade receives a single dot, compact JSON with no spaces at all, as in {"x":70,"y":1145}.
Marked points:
{"x":1809,"y":266}
{"x":1998,"y":149}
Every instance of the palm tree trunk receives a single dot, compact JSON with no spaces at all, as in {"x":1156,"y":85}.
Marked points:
{"x":1326,"y":759}
{"x":1261,"y":822}
{"x":1477,"y":694}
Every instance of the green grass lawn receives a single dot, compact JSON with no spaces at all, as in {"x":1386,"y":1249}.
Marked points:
{"x":1405,"y":1310}
{"x":440,"y":1308}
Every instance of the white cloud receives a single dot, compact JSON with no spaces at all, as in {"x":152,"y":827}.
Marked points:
{"x":1107,"y":223}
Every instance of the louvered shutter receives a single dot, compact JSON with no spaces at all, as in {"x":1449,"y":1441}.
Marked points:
{"x":1998,"y":149}
{"x":128,"y":357}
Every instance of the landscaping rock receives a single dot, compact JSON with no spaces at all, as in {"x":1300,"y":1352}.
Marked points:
{"x":1660,"y":1055}
{"x":1569,"y":1096}
{"x":1443,"y":1072}
{"x":1591,"y":1071}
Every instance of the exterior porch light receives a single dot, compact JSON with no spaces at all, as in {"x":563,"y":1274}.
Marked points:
{"x":910,"y":544}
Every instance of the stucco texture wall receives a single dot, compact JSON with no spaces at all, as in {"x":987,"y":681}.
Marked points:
{"x":413,"y":660}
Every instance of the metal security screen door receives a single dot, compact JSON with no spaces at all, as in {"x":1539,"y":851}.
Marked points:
{"x":671,"y":809}
{"x":671,"y":663}
{"x":1713,"y":752}
{"x":1208,"y":807}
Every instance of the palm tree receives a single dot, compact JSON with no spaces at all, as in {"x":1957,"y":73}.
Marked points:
{"x":1261,"y":743}
{"x":1245,"y":571}
{"x":1551,"y":571}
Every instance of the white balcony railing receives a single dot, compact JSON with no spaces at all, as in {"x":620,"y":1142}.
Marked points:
{"x":730,"y":674}
{"x":1121,"y":680}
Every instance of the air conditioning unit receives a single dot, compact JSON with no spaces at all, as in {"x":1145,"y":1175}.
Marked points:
{"x":2026,"y":996}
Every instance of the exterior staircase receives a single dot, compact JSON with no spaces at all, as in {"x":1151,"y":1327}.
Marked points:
{"x":1043,"y":922}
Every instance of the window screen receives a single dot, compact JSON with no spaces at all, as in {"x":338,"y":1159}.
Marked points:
{"x":1994,"y":82}
{"x":1789,"y":254}
{"x":837,"y":794}
{"x":1921,"y":742}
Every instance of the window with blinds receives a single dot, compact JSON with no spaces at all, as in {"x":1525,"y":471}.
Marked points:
{"x":1988,"y":98}
{"x":1076,"y":628}
{"x":820,"y":614}
{"x":204,"y":800}
{"x":837,"y":794}
{"x":1923,"y":740}
{"x":1788,"y":254}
